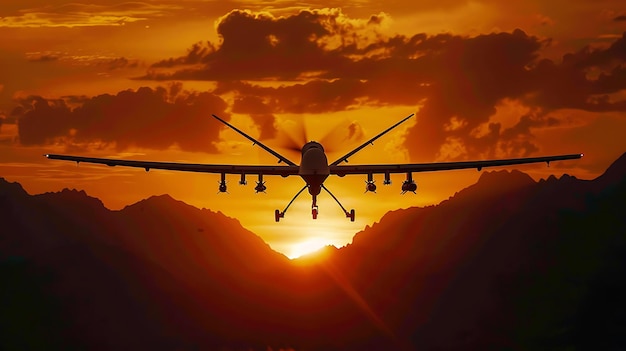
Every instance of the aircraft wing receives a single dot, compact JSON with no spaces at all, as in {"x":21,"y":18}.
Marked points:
{"x":341,"y":170}
{"x":184,"y":167}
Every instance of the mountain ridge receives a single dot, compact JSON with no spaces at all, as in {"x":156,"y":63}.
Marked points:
{"x":479,"y":270}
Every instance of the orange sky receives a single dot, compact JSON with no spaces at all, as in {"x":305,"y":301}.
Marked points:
{"x":139,"y":80}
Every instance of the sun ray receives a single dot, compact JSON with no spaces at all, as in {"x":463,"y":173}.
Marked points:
{"x":306,"y":247}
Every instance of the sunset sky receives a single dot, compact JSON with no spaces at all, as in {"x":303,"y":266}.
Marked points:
{"x":140,"y":80}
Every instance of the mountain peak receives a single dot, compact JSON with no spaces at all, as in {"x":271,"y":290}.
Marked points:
{"x":615,"y":173}
{"x":11,"y":188}
{"x":495,"y":183}
{"x":72,"y":197}
{"x":504,"y":180}
{"x":565,"y":178}
{"x":513,"y":177}
{"x":163,"y":200}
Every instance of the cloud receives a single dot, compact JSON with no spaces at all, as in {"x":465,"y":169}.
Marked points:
{"x":337,"y":63}
{"x":621,"y":18}
{"x":39,"y":119}
{"x":583,"y":80}
{"x":108,"y":61}
{"x":84,"y":15}
{"x":259,"y":112}
{"x":149,"y":118}
{"x":457,"y":79}
{"x":316,"y":96}
{"x":262,"y":46}
{"x":468,"y":77}
{"x":42,"y":57}
{"x":323,"y":61}
{"x":120,"y":63}
{"x":479,"y":74}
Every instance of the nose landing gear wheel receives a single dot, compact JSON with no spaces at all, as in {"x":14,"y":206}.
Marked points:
{"x":314,"y":212}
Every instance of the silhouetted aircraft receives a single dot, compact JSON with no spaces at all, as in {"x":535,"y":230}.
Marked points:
{"x":314,"y":168}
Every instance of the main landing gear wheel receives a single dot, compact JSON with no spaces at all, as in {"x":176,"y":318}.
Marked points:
{"x":278,"y":215}
{"x":350,"y":215}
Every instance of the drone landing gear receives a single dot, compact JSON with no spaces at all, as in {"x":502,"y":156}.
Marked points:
{"x":348,"y":214}
{"x":314,"y":208}
{"x":278,"y":214}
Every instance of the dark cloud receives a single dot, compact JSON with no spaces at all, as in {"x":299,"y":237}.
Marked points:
{"x":151,"y":118}
{"x":337,"y":63}
{"x":573,"y":84}
{"x":621,"y":18}
{"x":120,"y":63}
{"x":42,"y":57}
{"x":317,"y":96}
{"x":600,"y":57}
{"x":259,"y":112}
{"x":266,"y":123}
{"x":482,"y":71}
{"x":198,"y":53}
{"x":517,"y":140}
{"x":39,"y":119}
{"x":261,"y":46}
{"x":463,"y":80}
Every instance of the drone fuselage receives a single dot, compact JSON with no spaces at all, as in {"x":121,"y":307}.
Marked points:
{"x":314,"y":166}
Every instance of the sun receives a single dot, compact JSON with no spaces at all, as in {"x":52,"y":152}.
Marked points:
{"x":306,"y":247}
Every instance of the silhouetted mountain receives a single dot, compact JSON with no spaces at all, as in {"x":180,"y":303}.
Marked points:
{"x":508,"y":263}
{"x":121,"y":278}
{"x":505,"y":263}
{"x":614,"y":175}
